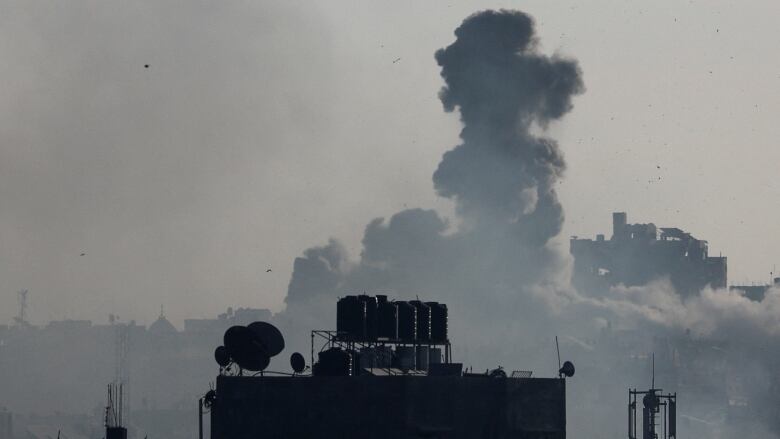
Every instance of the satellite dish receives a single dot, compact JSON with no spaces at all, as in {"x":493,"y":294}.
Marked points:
{"x":297,"y":362}
{"x":567,"y":369}
{"x":269,"y":336}
{"x":235,"y":340}
{"x":256,"y":362}
{"x":497,"y":373}
{"x":246,"y":348}
{"x":222,"y":356}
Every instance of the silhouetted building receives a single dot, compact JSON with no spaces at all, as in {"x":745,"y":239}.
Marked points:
{"x":640,"y":253}
{"x":392,"y":407}
{"x":6,"y":424}
{"x":385,"y":372}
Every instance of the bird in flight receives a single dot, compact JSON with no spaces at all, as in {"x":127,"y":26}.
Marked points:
{"x":83,"y":254}
{"x":396,"y":60}
{"x":268,"y":271}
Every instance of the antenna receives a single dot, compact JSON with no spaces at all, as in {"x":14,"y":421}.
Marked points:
{"x":568,"y":367}
{"x":652,"y":382}
{"x":114,"y":411}
{"x":121,"y":371}
{"x":21,"y":319}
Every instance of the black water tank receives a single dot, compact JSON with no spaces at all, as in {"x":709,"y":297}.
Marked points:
{"x":387,"y":319}
{"x":407,"y":321}
{"x":116,"y":433}
{"x":422,"y":358}
{"x":334,"y":362}
{"x":434,"y":357}
{"x":423,"y":320}
{"x":351,"y":318}
{"x":439,"y":321}
{"x":371,"y":317}
{"x":404,"y":357}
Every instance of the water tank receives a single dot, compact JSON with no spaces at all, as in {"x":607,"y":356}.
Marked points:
{"x":116,"y":433}
{"x":423,"y":320}
{"x":434,"y":356}
{"x":387,"y":319}
{"x":334,"y":362}
{"x":375,"y":357}
{"x":351,"y":318}
{"x":421,"y":362}
{"x":370,"y":317}
{"x":369,"y":358}
{"x":404,"y":357}
{"x":384,"y":356}
{"x":407,"y":321}
{"x":439,"y":321}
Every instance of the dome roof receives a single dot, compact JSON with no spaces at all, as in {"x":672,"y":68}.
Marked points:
{"x":162,"y":326}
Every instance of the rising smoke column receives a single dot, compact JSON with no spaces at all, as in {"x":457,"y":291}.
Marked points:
{"x":502,"y":86}
{"x":501,"y":178}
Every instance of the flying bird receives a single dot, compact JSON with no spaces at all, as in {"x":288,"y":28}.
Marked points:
{"x":83,"y":254}
{"x":146,"y":66}
{"x":268,"y":271}
{"x":396,"y":60}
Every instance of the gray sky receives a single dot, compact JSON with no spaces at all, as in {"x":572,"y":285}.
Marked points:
{"x":260,"y":130}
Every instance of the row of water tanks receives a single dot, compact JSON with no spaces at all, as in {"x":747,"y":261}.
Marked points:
{"x":371,"y":318}
{"x":344,"y":362}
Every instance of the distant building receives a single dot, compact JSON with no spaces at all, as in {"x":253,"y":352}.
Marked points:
{"x":640,"y":253}
{"x":755,"y":292}
{"x":88,"y":354}
{"x":240,"y":316}
{"x":162,"y":327}
{"x":6,"y":424}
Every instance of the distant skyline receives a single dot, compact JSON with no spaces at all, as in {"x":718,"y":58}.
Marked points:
{"x":259,"y":130}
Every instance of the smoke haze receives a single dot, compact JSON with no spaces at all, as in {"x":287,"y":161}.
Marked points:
{"x":243,"y":142}
{"x":507,"y":281}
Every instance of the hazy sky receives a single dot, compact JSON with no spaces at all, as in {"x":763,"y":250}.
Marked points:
{"x":259,"y":130}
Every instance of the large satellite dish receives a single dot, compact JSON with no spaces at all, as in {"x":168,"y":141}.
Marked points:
{"x":246,"y":348}
{"x":269,"y":336}
{"x":297,"y":362}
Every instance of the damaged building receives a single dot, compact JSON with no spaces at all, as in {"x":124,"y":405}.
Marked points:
{"x":640,"y":253}
{"x":756,"y":293}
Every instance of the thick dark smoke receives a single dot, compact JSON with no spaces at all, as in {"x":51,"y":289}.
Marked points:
{"x":502,"y":179}
{"x":502,"y":86}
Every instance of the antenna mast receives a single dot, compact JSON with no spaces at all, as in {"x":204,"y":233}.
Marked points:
{"x":652,"y":380}
{"x":21,"y":319}
{"x":122,"y":376}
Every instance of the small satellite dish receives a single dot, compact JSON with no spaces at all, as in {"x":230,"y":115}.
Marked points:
{"x":222,"y":356}
{"x":297,"y":362}
{"x":567,"y":369}
{"x":269,"y":336}
{"x":497,"y":373}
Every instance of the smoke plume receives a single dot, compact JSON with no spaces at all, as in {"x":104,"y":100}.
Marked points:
{"x":501,"y":177}
{"x":503,"y":274}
